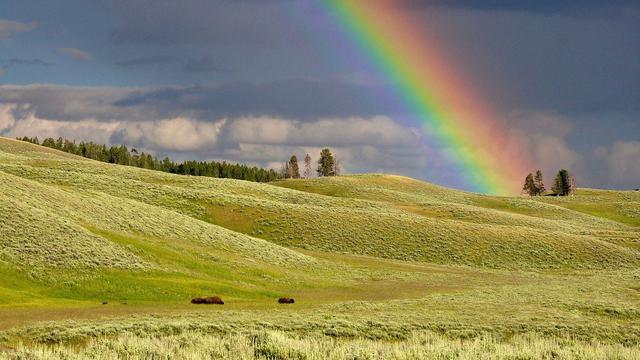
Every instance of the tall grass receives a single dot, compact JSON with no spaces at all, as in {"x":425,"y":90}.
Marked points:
{"x":283,"y":345}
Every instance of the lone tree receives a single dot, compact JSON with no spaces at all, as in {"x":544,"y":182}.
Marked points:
{"x":326,"y":163}
{"x":294,"y":171}
{"x":563,"y":184}
{"x":307,"y":166}
{"x":538,"y":182}
{"x":529,"y":186}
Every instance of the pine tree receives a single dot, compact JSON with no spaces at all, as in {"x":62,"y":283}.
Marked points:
{"x":557,"y":187}
{"x":307,"y":166}
{"x":294,"y":171}
{"x":538,"y":182}
{"x":563,"y":184}
{"x":529,"y":185}
{"x":325,"y":163}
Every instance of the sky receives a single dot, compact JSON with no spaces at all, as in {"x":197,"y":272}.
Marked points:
{"x":256,"y":81}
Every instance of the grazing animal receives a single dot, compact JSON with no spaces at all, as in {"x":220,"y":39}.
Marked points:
{"x":104,"y":303}
{"x":213,"y":300}
{"x":208,"y":300}
{"x":286,"y":301}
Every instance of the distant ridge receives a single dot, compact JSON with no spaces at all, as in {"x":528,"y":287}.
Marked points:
{"x":121,"y":155}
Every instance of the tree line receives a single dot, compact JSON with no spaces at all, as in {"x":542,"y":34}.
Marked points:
{"x":123,"y":156}
{"x":563,"y":184}
{"x":328,"y":165}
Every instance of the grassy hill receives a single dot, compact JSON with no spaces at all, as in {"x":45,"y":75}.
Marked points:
{"x":612,"y":216}
{"x":75,"y":233}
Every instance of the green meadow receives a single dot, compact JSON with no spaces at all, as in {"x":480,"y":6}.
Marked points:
{"x":101,"y":261}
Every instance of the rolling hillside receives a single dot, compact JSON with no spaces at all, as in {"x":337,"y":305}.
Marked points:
{"x":76,"y":233}
{"x":62,"y":211}
{"x":382,"y":216}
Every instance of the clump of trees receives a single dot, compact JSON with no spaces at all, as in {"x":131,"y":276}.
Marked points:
{"x":534,"y":184}
{"x":563,"y":184}
{"x":328,"y":165}
{"x":122,"y":155}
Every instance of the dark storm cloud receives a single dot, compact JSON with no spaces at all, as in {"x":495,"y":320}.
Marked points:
{"x":521,"y":51}
{"x":256,"y":23}
{"x":296,"y":98}
{"x":145,"y":60}
{"x":583,"y":7}
{"x":531,"y":60}
{"x":65,"y":103}
{"x":300,"y":99}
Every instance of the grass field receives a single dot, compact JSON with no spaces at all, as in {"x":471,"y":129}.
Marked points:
{"x":380,"y":266}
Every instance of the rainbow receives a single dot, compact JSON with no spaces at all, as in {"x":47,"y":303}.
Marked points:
{"x":450,"y":112}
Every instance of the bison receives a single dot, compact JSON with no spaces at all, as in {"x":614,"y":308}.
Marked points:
{"x":208,"y":300}
{"x":286,"y":301}
{"x":213,"y":300}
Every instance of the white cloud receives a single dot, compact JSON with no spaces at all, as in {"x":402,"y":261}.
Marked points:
{"x":10,"y":27}
{"x":6,"y":117}
{"x":351,"y":131}
{"x":554,"y":153}
{"x":263,"y":130}
{"x":544,"y":136}
{"x":30,"y":125}
{"x":622,"y":163}
{"x":361,"y":144}
{"x":179,"y":134}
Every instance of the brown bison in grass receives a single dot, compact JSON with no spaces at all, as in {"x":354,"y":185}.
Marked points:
{"x":213,"y":300}
{"x":286,"y":301}
{"x":209,"y":300}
